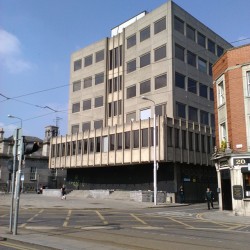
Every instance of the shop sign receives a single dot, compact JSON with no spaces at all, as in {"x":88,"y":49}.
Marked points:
{"x":241,"y":161}
{"x":237,"y":192}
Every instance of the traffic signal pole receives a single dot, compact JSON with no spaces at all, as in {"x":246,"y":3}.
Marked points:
{"x":17,"y":189}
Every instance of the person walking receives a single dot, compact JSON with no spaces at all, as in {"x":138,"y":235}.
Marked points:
{"x":63,"y":192}
{"x":181,"y":194}
{"x":209,"y":197}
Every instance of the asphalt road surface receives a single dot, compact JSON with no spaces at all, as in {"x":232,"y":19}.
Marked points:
{"x":157,"y":228}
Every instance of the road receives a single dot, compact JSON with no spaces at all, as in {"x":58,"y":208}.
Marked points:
{"x":147,"y":228}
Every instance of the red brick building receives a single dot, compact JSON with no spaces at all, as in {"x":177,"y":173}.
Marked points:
{"x":231,"y":78}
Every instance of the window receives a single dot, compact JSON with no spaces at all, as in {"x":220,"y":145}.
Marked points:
{"x":145,"y":114}
{"x":77,"y":64}
{"x":248,"y":83}
{"x":87,"y":82}
{"x":115,"y":108}
{"x":144,"y":137}
{"x":98,"y":144}
{"x":85,"y":126}
{"x":246,"y":183}
{"x":79,"y":146}
{"x":211,"y":46}
{"x":88,"y":60}
{"x":98,"y":101}
{"x":131,"y":66}
{"x":180,"y":110}
{"x":145,"y":87}
{"x":179,"y":80}
{"x":86,"y":104}
{"x":75,"y":107}
{"x":210,"y":69}
{"x":98,"y":124}
{"x":160,"y":110}
{"x":152,"y":136}
{"x":145,"y":60}
{"x":220,"y":51}
{"x":208,"y":144}
{"x":169,"y":136}
{"x":221,"y":97}
{"x":201,"y":40}
{"x":99,"y":78}
{"x":127,"y":140}
{"x":202,"y":65}
{"x":136,"y":138}
{"x":179,"y":52}
{"x":76,"y":86}
{"x":91,"y":145}
{"x":203,"y":90}
{"x":110,"y":86}
{"x":110,"y":109}
{"x":190,"y":32}
{"x":190,"y":139}
{"x":105,"y":143}
{"x":111,"y":142}
{"x":192,"y":86}
{"x":191,"y":58}
{"x":211,"y":94}
{"x":160,"y":25}
{"x":74,"y":129}
{"x":184,"y":139}
{"x":179,"y":25}
{"x":131,"y":91}
{"x":192,"y":114}
{"x":99,"y":56}
{"x":160,"y":81}
{"x":203,"y":144}
{"x":118,"y":145}
{"x":131,"y":117}
{"x":73,"y":147}
{"x":160,"y":53}
{"x":131,"y":41}
{"x":204,"y":117}
{"x":212,"y":120}
{"x":145,"y":34}
{"x":197,"y":142}
{"x":177,"y":137}
{"x":223,"y":132}
{"x":33,"y":171}
{"x":119,"y":107}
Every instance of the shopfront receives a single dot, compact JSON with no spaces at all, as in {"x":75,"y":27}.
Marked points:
{"x":233,"y":172}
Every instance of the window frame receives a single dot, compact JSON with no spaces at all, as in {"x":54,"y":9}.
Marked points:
{"x":157,"y":25}
{"x":145,"y":33}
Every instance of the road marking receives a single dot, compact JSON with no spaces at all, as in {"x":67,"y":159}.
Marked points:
{"x":8,"y":244}
{"x":65,"y":223}
{"x":138,"y":219}
{"x":180,"y":222}
{"x":41,"y":228}
{"x":32,"y":218}
{"x":101,"y":217}
{"x":148,"y":228}
{"x":97,"y":227}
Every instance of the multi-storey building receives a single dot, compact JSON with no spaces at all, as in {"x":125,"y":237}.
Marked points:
{"x":165,"y":55}
{"x":231,"y":75}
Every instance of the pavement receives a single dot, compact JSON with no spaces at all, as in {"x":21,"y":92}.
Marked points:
{"x":49,"y":240}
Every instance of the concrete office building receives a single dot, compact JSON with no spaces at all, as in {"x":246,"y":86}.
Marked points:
{"x":165,"y":55}
{"x":232,"y":112}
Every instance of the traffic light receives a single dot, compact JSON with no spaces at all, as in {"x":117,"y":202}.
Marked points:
{"x":30,"y":147}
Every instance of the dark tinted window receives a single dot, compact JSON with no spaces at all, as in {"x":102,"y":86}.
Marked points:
{"x":87,"y":82}
{"x":98,"y":124}
{"x":203,"y":90}
{"x":204,"y":117}
{"x":85,"y":126}
{"x":131,"y":91}
{"x":86,"y":104}
{"x":88,"y":60}
{"x":131,"y":41}
{"x":178,"y":25}
{"x":201,"y":39}
{"x":74,"y":129}
{"x":191,"y":58}
{"x":192,"y":114}
{"x":180,"y":110}
{"x":131,"y":66}
{"x":76,"y":86}
{"x":136,"y":139}
{"x":179,"y":52}
{"x":161,"y":81}
{"x":145,"y":87}
{"x":160,"y":53}
{"x":160,"y":25}
{"x":77,"y":64}
{"x":190,"y":32}
{"x":75,"y":107}
{"x":145,"y":60}
{"x":220,"y":50}
{"x":192,"y":86}
{"x":145,"y":34}
{"x":144,"y":137}
{"x":211,"y":94}
{"x":202,"y":65}
{"x":99,"y":56}
{"x":98,"y":101}
{"x":179,"y":80}
{"x":99,"y":78}
{"x":211,"y":46}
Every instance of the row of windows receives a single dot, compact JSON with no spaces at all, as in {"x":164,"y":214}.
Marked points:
{"x":88,"y":60}
{"x":86,"y":126}
{"x":115,"y":108}
{"x":197,"y":37}
{"x":114,"y":84}
{"x":115,"y":57}
{"x":86,"y":104}
{"x":192,"y":59}
{"x":145,"y":59}
{"x":159,"y":26}
{"x":193,"y":114}
{"x":145,"y":86}
{"x":119,"y":141}
{"x":87,"y":82}
{"x":193,"y":86}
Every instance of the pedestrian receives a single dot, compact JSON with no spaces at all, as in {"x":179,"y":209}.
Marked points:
{"x":181,"y":194}
{"x":209,"y":197}
{"x":63,"y":192}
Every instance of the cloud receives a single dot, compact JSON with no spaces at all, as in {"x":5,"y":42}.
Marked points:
{"x":11,"y":54}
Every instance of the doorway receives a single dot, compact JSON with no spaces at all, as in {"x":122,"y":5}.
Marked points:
{"x":226,"y":190}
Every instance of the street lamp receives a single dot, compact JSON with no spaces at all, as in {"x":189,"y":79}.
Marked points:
{"x":155,"y":166}
{"x":21,"y":120}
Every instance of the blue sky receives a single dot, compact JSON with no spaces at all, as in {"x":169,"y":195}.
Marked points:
{"x":37,"y":38}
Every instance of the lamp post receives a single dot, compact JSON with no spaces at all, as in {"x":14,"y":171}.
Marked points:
{"x":154,"y":139}
{"x":18,"y":135}
{"x":21,"y":120}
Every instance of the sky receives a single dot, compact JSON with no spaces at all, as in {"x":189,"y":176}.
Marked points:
{"x":37,"y":38}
